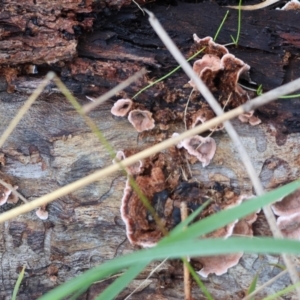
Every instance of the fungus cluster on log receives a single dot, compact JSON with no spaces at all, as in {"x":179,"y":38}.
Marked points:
{"x":221,"y":71}
{"x":141,"y":119}
{"x":160,"y":179}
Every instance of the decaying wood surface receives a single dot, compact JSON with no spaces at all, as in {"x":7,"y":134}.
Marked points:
{"x":84,"y":228}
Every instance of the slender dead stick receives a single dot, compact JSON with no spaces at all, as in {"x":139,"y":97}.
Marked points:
{"x":231,"y":132}
{"x":256,"y":6}
{"x":25,"y":108}
{"x":261,"y":100}
{"x":88,"y":107}
{"x":186,"y":273}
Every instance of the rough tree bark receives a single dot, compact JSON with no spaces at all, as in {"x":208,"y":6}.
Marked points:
{"x":94,"y":47}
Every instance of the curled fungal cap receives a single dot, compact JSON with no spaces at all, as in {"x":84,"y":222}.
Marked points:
{"x":288,"y":206}
{"x":42,"y":213}
{"x":133,"y":169}
{"x":206,"y":68}
{"x":203,"y":148}
{"x":210,"y":46}
{"x":141,"y":120}
{"x":122,"y":107}
{"x":221,"y":263}
{"x":249,"y":118}
{"x":204,"y":114}
{"x":290,"y":226}
{"x":291,"y":5}
{"x":4,"y":194}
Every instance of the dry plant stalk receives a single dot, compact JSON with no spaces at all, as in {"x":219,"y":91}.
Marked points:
{"x":231,"y":132}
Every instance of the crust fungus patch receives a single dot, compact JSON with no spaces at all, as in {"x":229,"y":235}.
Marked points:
{"x":141,"y":120}
{"x":122,"y":107}
{"x":288,"y":210}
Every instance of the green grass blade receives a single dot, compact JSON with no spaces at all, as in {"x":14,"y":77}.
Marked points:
{"x":283,"y":292}
{"x":198,"y":280}
{"x":179,"y":228}
{"x":122,"y":282}
{"x":252,"y":286}
{"x":192,"y":248}
{"x":18,"y":283}
{"x":225,"y":217}
{"x":221,"y":25}
{"x":78,"y":293}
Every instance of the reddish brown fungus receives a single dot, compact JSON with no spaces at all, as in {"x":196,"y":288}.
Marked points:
{"x":133,"y":169}
{"x":122,"y":107}
{"x":203,"y":148}
{"x":291,"y":5}
{"x":210,"y":46}
{"x":6,"y":194}
{"x":248,"y":117}
{"x":290,"y":226}
{"x":221,"y":263}
{"x":42,"y":213}
{"x":288,"y":206}
{"x":202,"y":115}
{"x":141,"y":120}
{"x":207,"y":68}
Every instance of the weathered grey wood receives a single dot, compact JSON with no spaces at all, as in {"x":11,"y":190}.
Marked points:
{"x":84,"y":228}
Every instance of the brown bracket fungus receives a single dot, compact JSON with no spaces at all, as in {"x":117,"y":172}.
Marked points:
{"x":210,"y":46}
{"x":140,"y":228}
{"x":291,"y":5}
{"x":221,"y":71}
{"x":134,"y":169}
{"x":122,"y":107}
{"x":141,"y":120}
{"x":288,"y":210}
{"x":221,"y":263}
{"x":42,"y":213}
{"x":202,"y":115}
{"x":203,"y":148}
{"x":207,"y":68}
{"x":6,"y":194}
{"x":248,"y":117}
